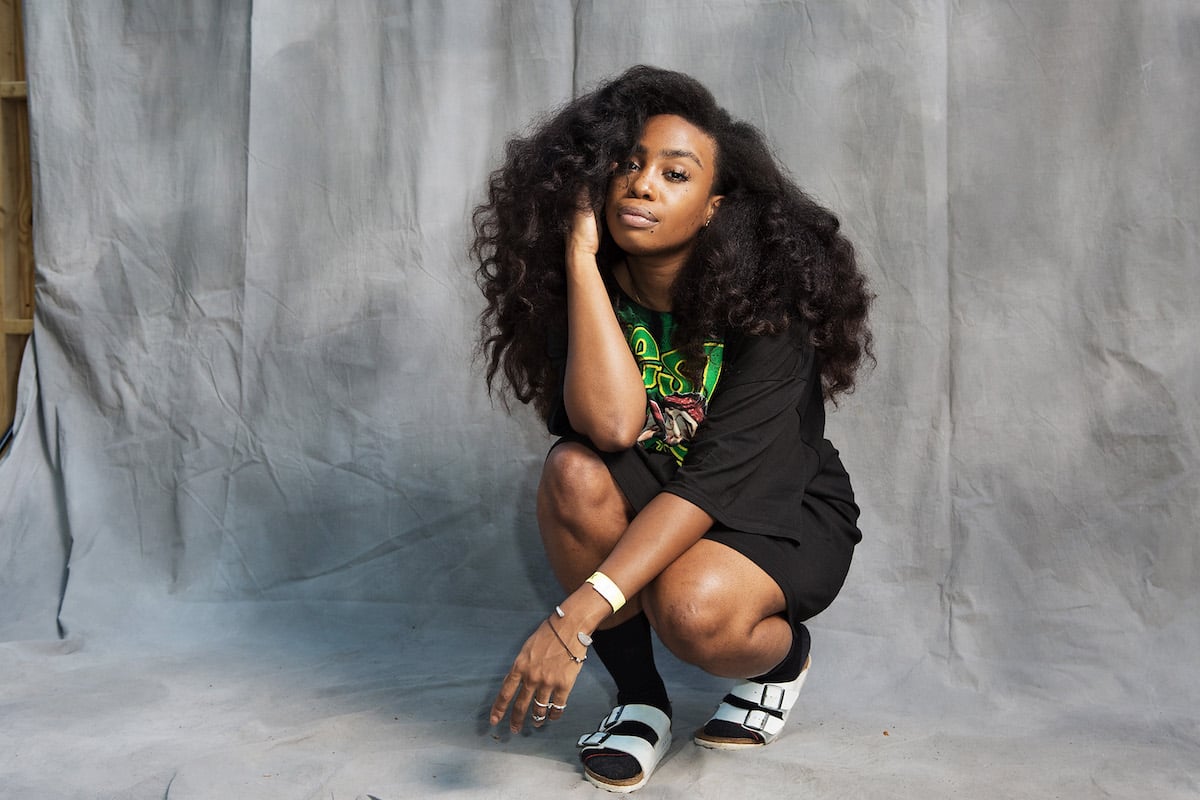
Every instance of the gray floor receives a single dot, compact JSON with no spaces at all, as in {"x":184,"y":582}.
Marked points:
{"x":382,"y":701}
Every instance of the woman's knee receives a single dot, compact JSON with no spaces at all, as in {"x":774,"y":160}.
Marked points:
{"x":697,"y":620}
{"x":577,"y":492}
{"x":707,"y":607}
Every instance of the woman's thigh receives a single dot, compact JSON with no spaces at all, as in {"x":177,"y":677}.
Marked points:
{"x":810,"y":570}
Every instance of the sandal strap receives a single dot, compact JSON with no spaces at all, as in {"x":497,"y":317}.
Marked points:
{"x":752,"y":719}
{"x":641,"y":750}
{"x":648,"y":715}
{"x":779,"y":697}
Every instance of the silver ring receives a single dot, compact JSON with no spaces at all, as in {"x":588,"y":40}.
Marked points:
{"x":536,"y":718}
{"x":541,"y":705}
{"x":557,"y":707}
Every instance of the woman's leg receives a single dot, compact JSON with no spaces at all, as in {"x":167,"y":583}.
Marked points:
{"x":716,"y":609}
{"x":713,"y":607}
{"x":581,"y":515}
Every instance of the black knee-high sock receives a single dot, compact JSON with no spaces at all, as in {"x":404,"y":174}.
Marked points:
{"x":628,"y":654}
{"x":789,"y":669}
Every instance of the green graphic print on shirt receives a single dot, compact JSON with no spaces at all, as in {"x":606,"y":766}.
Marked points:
{"x":674,"y":406}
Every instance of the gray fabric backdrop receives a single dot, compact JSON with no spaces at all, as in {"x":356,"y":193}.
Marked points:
{"x":264,"y":535}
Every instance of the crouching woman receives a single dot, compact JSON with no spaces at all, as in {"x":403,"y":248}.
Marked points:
{"x":679,"y":312}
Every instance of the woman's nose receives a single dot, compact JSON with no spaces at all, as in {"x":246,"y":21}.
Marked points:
{"x":641,"y":186}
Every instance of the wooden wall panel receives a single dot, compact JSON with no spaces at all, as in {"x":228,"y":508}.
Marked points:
{"x":16,"y":208}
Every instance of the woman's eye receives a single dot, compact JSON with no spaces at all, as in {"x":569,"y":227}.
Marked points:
{"x":676,"y":176}
{"x":629,"y":166}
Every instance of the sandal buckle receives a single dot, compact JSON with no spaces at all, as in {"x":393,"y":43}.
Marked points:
{"x":613,"y":718}
{"x":773,"y":697}
{"x":593,"y":739}
{"x":756,"y":720}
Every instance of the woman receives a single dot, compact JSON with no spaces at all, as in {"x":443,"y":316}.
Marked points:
{"x":678,"y":311}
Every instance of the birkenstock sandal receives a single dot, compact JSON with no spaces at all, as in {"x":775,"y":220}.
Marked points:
{"x":637,"y":730}
{"x":752,"y":714}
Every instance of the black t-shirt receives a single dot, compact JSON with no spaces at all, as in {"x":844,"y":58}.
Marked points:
{"x":751,"y":444}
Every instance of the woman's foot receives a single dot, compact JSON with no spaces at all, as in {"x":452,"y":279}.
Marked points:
{"x":752,"y":714}
{"x":622,"y":753}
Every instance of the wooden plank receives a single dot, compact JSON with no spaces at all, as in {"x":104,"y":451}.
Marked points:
{"x":12,"y":42}
{"x":11,"y":349}
{"x":24,"y":221}
{"x":10,"y":176}
{"x":8,"y":391}
{"x":16,"y":217}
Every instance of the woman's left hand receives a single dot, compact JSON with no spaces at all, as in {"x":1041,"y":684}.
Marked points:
{"x":541,"y":676}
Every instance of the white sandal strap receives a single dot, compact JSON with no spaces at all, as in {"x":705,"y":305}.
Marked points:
{"x":772,"y":696}
{"x":636,"y":746}
{"x":755,"y":719}
{"x":649,"y":716}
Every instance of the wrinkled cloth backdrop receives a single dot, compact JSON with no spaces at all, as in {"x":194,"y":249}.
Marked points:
{"x":264,"y":535}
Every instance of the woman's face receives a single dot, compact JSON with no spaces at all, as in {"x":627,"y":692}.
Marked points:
{"x":661,"y":196}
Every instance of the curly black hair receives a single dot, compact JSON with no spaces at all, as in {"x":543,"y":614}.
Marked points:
{"x":771,"y":257}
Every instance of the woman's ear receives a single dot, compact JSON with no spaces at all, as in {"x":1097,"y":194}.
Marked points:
{"x":713,"y":203}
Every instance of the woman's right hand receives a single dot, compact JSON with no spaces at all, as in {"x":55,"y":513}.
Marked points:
{"x":584,"y":238}
{"x":540,"y":680}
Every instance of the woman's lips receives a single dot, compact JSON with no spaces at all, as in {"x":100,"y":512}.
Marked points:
{"x":636,"y":217}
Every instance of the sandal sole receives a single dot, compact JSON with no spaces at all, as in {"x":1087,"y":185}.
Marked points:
{"x":634,"y":783}
{"x":726,"y":744}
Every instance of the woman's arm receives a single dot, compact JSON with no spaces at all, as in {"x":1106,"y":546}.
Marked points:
{"x":602,"y":387}
{"x":659,"y":534}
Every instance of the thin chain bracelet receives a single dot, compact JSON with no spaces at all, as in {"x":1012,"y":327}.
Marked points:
{"x":583,"y":638}
{"x":574,"y":657}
